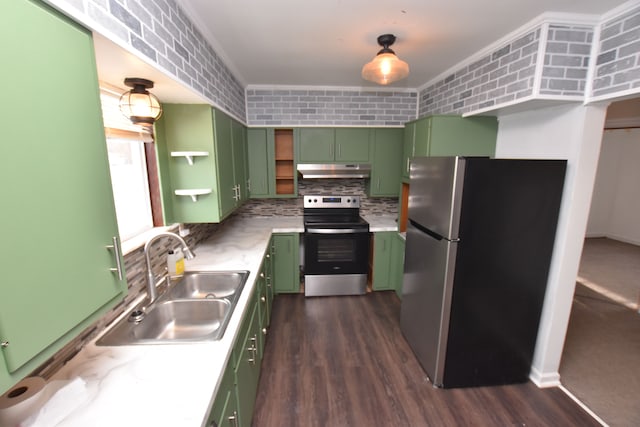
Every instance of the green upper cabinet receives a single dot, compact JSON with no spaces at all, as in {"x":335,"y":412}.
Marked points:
{"x":386,"y":167}
{"x":260,"y":153}
{"x":58,"y":208}
{"x":449,"y":136}
{"x":334,"y":145}
{"x":202,"y":156}
{"x":271,"y":163}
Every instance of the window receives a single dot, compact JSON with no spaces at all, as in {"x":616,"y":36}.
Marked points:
{"x":130,"y":186}
{"x":128,"y":165}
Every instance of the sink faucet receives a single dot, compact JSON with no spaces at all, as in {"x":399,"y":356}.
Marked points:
{"x":152,"y":291}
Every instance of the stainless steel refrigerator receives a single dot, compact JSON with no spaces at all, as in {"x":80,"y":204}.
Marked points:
{"x":480,"y":236}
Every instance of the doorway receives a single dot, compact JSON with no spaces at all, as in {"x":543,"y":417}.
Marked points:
{"x":602,"y":346}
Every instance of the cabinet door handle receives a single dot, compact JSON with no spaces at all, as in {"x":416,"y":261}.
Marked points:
{"x":264,"y":331}
{"x":233,"y":419}
{"x":408,"y":160}
{"x":263,"y":299}
{"x":339,"y":150}
{"x":116,"y":253}
{"x":378,"y":183}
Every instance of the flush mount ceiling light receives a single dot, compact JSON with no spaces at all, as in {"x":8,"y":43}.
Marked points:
{"x":386,"y":67}
{"x":139,"y":105}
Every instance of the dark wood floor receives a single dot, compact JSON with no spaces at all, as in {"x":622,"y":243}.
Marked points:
{"x":342,"y":361}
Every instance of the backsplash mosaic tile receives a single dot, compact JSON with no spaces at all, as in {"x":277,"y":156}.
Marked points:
{"x":293,"y":207}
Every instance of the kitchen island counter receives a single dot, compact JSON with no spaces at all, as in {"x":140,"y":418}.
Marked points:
{"x":174,"y":384}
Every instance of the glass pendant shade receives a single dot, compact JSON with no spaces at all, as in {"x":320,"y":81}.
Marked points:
{"x":139,"y":105}
{"x":385,"y":68}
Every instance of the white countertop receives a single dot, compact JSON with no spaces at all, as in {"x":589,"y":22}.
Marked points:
{"x":175,"y":384}
{"x":171,"y":385}
{"x":381,"y":222}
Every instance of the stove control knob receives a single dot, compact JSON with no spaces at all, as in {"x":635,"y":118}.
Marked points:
{"x":315,"y":200}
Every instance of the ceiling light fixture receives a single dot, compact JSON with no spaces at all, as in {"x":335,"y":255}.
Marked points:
{"x":386,"y":67}
{"x":139,"y":105}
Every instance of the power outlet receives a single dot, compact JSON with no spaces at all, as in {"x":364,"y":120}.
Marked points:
{"x":184,"y":232}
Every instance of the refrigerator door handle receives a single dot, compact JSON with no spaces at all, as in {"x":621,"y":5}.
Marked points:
{"x":432,"y":233}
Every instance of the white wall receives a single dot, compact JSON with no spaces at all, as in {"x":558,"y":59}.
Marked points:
{"x":572,"y":132}
{"x":615,"y":207}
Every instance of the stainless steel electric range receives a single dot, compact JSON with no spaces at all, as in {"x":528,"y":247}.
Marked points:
{"x":336,"y":246}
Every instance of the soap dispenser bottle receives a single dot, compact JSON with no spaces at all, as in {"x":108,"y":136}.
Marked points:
{"x":171,"y":263}
{"x":179,"y":262}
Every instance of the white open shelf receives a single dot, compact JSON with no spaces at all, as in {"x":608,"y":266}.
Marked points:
{"x":189,"y":155}
{"x":193,"y":193}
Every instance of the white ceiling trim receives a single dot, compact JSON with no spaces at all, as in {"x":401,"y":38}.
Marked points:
{"x":547,"y":17}
{"x":620,"y":10}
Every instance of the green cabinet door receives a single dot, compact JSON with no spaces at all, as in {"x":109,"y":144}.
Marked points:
{"x":408,"y":136}
{"x":329,"y":145}
{"x":56,"y":192}
{"x":225,"y":407}
{"x":248,"y":369}
{"x":382,"y":260}
{"x":386,"y":170}
{"x":224,"y":162}
{"x":316,"y":145}
{"x":352,"y":145}
{"x":397,"y":263}
{"x":422,"y":137}
{"x":259,"y":160}
{"x":456,"y":136}
{"x":286,"y":262}
{"x":239,"y":141}
{"x":449,"y":136}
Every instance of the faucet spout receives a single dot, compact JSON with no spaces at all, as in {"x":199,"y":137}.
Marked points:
{"x":152,"y":290}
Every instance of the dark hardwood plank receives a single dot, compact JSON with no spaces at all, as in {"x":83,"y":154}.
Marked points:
{"x":342,"y":361}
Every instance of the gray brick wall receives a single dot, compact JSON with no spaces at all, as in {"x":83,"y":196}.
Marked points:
{"x":160,"y":31}
{"x":327,"y":107}
{"x":566,"y":60}
{"x":617,"y":66}
{"x":504,"y":75}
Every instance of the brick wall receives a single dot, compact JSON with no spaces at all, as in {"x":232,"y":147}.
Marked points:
{"x":502,"y":76}
{"x":329,"y":107}
{"x":566,"y":60}
{"x":617,"y":66}
{"x":160,"y":31}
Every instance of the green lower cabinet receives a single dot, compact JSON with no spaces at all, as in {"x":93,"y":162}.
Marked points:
{"x":397,"y":262}
{"x":225,"y":407}
{"x":382,"y":261}
{"x":285,"y":262}
{"x":248,"y":369}
{"x":388,"y":261}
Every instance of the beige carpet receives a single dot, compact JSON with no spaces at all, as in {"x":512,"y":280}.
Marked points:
{"x":601,"y":359}
{"x":611,"y":268}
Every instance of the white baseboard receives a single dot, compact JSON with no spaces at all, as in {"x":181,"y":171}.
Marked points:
{"x":624,"y":239}
{"x":544,"y":380}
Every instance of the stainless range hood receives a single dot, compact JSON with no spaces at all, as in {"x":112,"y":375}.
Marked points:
{"x":334,"y":170}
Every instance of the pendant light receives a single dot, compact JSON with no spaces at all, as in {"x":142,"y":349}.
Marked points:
{"x":139,"y":105}
{"x":386,"y":67}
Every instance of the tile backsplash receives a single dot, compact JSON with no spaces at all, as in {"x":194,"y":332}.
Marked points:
{"x":293,"y":206}
{"x":135,"y":267}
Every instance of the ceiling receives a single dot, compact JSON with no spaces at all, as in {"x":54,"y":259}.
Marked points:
{"x":326,"y":42}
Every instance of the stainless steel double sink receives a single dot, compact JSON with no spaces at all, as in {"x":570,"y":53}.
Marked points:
{"x":195,"y":308}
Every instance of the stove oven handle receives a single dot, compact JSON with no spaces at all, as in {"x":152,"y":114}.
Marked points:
{"x":334,"y":231}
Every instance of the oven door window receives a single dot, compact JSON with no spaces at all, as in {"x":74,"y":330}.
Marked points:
{"x":336,"y":253}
